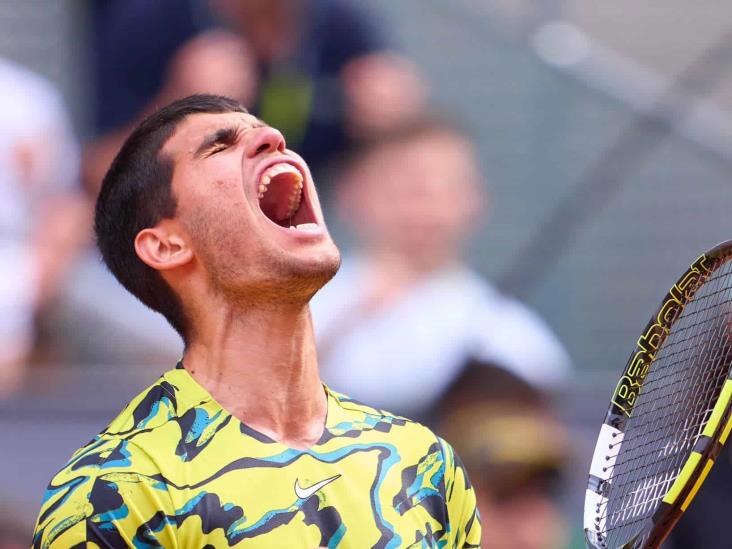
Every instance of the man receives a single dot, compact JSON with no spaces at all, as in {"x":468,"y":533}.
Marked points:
{"x":13,"y":529}
{"x":413,"y":199}
{"x":516,"y":452}
{"x":206,"y":217}
{"x":322,"y":71}
{"x":42,"y":212}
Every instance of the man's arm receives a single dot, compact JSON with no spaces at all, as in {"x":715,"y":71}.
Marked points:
{"x":462,"y":511}
{"x":108,"y":495}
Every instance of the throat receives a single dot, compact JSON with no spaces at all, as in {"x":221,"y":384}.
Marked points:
{"x":262,"y":368}
{"x":289,"y":427}
{"x":295,"y":419}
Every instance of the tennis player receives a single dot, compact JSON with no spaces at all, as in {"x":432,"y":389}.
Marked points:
{"x":207,"y":218}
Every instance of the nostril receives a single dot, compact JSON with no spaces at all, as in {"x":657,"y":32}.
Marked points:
{"x":266,"y":140}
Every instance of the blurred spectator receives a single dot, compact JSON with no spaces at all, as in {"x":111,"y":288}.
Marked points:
{"x":147,"y":54}
{"x":43,"y":217}
{"x":13,"y":535}
{"x":515,"y":453}
{"x":405,"y":312}
{"x":325,"y":70}
{"x":132,"y":43}
{"x":318,"y":69}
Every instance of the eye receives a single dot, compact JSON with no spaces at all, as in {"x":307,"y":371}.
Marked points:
{"x":217,"y":148}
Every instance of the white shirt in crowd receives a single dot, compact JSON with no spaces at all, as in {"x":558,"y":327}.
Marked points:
{"x":403,"y":357}
{"x":38,"y":156}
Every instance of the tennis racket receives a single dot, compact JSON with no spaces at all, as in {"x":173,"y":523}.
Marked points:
{"x":669,"y":415}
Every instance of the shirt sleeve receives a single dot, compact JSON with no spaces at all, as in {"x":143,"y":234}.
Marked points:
{"x":108,"y":496}
{"x":462,"y":511}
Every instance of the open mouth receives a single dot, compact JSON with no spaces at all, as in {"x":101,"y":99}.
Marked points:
{"x":282,"y":198}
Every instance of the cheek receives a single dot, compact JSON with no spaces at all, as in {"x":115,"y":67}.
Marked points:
{"x":219,"y":201}
{"x":218,"y":228}
{"x":219,"y":178}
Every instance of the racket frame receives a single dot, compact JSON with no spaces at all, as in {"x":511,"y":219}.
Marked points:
{"x":715,"y":433}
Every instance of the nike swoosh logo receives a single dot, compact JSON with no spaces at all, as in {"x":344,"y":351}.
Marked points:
{"x":304,"y":493}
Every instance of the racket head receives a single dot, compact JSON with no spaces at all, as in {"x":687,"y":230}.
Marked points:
{"x":669,"y":415}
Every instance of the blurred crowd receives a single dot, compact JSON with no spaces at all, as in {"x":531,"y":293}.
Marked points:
{"x":406,"y":325}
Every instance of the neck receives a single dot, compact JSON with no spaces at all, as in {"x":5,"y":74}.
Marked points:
{"x":261,"y":365}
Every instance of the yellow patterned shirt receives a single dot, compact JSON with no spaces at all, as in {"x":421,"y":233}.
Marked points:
{"x":176,"y":470}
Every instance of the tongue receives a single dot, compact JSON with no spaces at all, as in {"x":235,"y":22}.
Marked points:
{"x":277,"y":202}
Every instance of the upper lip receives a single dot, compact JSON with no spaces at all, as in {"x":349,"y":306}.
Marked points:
{"x":278,"y":160}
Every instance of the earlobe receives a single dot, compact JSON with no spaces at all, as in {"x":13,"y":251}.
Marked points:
{"x":161,"y":249}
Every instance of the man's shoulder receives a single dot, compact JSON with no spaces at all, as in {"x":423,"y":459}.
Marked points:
{"x":121,"y":460}
{"x":151,"y":409}
{"x":118,"y":448}
{"x":105,"y":455}
{"x":122,"y":444}
{"x":89,"y":493}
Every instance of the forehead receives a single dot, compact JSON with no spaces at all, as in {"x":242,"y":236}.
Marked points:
{"x":194,"y":128}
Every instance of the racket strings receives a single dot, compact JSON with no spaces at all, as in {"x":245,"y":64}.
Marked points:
{"x":648,"y":491}
{"x":640,"y":501}
{"x":670,"y":413}
{"x":636,"y":504}
{"x":670,"y":387}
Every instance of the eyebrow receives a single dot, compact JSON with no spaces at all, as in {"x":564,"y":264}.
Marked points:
{"x":225,"y":136}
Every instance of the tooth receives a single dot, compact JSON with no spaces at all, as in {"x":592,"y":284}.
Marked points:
{"x":265,"y":180}
{"x":307,"y":226}
{"x":295,"y":200}
{"x":262,"y":189}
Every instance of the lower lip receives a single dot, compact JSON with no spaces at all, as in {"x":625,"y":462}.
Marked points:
{"x":313,"y":232}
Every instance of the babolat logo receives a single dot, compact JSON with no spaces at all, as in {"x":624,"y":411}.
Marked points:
{"x":626,"y":393}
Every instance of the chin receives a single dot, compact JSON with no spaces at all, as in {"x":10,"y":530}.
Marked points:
{"x":318,"y":267}
{"x":297,"y":277}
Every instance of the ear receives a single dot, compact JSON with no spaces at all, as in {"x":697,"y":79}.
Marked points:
{"x":163,"y":247}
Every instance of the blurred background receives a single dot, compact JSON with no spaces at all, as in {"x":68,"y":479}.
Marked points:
{"x":514,"y":185}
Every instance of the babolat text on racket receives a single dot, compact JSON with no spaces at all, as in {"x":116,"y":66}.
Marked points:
{"x":669,"y":415}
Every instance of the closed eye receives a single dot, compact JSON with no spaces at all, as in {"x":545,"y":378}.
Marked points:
{"x":218,"y":141}
{"x":218,"y":148}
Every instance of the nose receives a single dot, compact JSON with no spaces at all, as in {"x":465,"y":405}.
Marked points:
{"x":265,"y":140}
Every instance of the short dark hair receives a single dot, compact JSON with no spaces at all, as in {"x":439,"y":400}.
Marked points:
{"x":136,"y":194}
